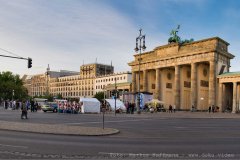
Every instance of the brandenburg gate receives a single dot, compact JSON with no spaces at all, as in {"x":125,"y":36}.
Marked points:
{"x":187,"y":75}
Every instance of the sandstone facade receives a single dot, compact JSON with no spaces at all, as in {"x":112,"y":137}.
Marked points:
{"x":183,"y":75}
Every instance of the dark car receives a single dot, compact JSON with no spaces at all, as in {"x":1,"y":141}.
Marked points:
{"x":50,"y":107}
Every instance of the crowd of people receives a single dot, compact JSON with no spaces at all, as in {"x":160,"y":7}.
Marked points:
{"x":76,"y":107}
{"x":17,"y":104}
{"x":69,"y":107}
{"x":23,"y":105}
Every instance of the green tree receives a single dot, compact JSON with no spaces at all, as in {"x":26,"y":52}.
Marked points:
{"x":99,"y":96}
{"x":11,"y":86}
{"x":59,"y":96}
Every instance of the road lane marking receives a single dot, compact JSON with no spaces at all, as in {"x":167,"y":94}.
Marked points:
{"x":7,"y":145}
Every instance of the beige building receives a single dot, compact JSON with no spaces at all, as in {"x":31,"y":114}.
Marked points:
{"x":106,"y":83}
{"x":67,"y":83}
{"x":184,"y":74}
{"x":229,"y":91}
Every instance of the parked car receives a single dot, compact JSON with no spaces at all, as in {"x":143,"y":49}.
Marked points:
{"x":50,"y":106}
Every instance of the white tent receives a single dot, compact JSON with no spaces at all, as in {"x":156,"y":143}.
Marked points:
{"x":90,"y":105}
{"x":119,"y":104}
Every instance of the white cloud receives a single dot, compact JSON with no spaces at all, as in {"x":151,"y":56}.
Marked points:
{"x":64,"y":34}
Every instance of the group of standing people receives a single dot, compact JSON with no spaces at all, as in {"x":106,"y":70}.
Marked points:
{"x":130,"y":107}
{"x":213,"y":109}
{"x":16,"y":105}
{"x":23,"y":105}
{"x":13,"y":104}
{"x":69,"y":107}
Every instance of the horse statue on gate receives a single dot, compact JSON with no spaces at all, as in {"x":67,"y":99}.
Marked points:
{"x":174,"y":37}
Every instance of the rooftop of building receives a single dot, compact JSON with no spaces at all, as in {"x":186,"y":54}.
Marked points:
{"x":88,"y":64}
{"x":118,"y":85}
{"x":114,"y":74}
{"x":229,"y":74}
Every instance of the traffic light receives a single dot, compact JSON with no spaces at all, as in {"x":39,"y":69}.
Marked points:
{"x":29,"y":62}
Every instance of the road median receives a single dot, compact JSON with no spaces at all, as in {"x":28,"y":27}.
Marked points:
{"x":59,"y":129}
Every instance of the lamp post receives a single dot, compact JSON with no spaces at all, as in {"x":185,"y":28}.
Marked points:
{"x":47,"y":75}
{"x":140,"y":45}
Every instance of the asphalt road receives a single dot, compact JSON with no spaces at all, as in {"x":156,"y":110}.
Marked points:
{"x":140,"y":137}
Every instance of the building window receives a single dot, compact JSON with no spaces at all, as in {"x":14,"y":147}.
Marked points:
{"x":187,"y":84}
{"x":169,"y":85}
{"x":204,"y":83}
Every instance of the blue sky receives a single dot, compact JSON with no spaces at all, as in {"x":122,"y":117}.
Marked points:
{"x":64,"y":33}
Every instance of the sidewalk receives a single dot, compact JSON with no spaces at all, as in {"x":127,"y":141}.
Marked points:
{"x":56,"y":129}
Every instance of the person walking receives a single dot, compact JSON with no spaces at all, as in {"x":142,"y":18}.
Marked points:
{"x":170,"y":108}
{"x":209,"y":109}
{"x":132,"y":108}
{"x":24,"y":111}
{"x":32,"y":105}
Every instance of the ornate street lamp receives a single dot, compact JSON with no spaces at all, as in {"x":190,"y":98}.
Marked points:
{"x":140,"y":45}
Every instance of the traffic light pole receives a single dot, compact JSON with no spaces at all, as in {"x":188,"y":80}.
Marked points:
{"x":13,"y":57}
{"x":29,"y":59}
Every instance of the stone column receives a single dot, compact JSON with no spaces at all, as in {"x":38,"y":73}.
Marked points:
{"x":212,"y":83}
{"x":145,"y":84}
{"x":223,"y":97}
{"x":194,"y":85}
{"x":220,"y":97}
{"x":177,"y":86}
{"x":234,"y":97}
{"x":133,"y":82}
{"x":158,"y":85}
